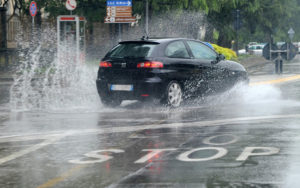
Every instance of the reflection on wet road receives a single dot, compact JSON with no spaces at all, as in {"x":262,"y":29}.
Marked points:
{"x":246,"y":137}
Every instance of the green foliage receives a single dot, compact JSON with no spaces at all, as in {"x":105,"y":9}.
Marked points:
{"x":228,"y":53}
{"x":262,"y":19}
{"x":93,"y":10}
{"x":216,"y":35}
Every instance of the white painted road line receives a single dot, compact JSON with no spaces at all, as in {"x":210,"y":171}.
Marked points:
{"x":29,"y":150}
{"x":152,"y":153}
{"x":127,"y":129}
{"x":185,"y":156}
{"x":96,"y":157}
{"x":249,"y":151}
{"x":209,"y":140}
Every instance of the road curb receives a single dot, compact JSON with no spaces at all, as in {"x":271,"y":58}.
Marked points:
{"x":258,"y":64}
{"x":6,"y":79}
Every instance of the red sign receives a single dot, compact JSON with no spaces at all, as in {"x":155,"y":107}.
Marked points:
{"x":71,"y":4}
{"x":33,"y":8}
{"x":119,"y":20}
{"x":70,"y":18}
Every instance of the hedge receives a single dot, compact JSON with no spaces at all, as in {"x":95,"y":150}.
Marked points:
{"x":228,"y":53}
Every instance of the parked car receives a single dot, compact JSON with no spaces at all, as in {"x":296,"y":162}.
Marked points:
{"x":242,"y":51}
{"x":169,"y":70}
{"x":297,"y":45}
{"x":256,"y":49}
{"x":279,"y":44}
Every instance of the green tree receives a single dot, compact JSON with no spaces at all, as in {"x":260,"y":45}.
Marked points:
{"x":262,"y":19}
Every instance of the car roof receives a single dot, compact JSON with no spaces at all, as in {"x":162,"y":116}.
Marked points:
{"x":155,"y":40}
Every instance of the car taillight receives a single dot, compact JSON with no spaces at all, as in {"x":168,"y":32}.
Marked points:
{"x":150,"y":64}
{"x":105,"y":64}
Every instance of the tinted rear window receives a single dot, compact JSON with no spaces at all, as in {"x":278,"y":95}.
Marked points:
{"x":132,"y":50}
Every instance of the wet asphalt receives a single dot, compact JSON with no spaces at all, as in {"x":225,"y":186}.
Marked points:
{"x":246,"y":137}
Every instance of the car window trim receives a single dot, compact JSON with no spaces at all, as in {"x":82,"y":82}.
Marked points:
{"x":189,"y":49}
{"x":190,"y":57}
{"x":204,"y":45}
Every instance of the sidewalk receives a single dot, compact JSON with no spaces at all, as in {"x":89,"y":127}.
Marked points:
{"x":254,"y":61}
{"x":6,"y":77}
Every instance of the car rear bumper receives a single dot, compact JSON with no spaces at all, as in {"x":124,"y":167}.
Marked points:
{"x":151,"y":88}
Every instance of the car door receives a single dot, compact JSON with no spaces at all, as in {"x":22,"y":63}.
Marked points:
{"x":181,"y":66}
{"x":209,"y":75}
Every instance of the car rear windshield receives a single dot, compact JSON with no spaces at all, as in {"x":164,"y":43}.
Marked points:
{"x":132,"y":50}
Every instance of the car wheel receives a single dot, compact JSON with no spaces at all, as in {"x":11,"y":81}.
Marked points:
{"x":173,"y":94}
{"x":111,"y":102}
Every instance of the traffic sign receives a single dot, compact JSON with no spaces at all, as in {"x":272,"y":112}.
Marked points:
{"x":287,"y":51}
{"x":119,"y":20}
{"x":291,"y":51}
{"x":266,"y":51}
{"x":33,"y":8}
{"x":291,"y":33}
{"x":127,"y":3}
{"x":71,"y":4}
{"x":119,"y":11}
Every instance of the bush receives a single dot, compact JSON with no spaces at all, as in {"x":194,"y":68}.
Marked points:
{"x":228,"y":53}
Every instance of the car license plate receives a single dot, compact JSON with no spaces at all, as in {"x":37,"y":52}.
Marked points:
{"x":121,"y":87}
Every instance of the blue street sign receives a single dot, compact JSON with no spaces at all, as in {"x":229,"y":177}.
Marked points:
{"x":120,"y":3}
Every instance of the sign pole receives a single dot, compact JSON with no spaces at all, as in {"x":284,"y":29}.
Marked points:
{"x":291,"y":33}
{"x":147,"y":19}
{"x":32,"y":29}
{"x":120,"y":32}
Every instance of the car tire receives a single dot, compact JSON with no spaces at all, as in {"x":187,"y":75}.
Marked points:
{"x":173,"y":94}
{"x":110,"y":102}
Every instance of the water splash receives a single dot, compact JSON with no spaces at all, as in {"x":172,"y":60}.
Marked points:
{"x":45,"y":82}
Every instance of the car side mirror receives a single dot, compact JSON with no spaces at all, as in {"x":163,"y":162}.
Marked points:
{"x":219,"y":58}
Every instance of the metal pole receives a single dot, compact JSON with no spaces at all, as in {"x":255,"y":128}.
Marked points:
{"x":32,"y":31}
{"x":58,"y":39}
{"x":77,"y":40}
{"x":237,"y":42}
{"x":120,"y":32}
{"x":288,"y":51}
{"x":147,"y":19}
{"x":84,"y":40}
{"x":237,"y":30}
{"x":271,"y":44}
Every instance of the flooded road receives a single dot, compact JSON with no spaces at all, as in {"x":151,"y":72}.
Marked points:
{"x":246,"y":137}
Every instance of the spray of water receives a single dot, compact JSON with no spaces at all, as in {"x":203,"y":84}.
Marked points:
{"x":44,"y":81}
{"x":247,"y":100}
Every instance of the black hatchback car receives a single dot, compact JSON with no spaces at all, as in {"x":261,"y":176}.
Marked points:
{"x":169,"y":70}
